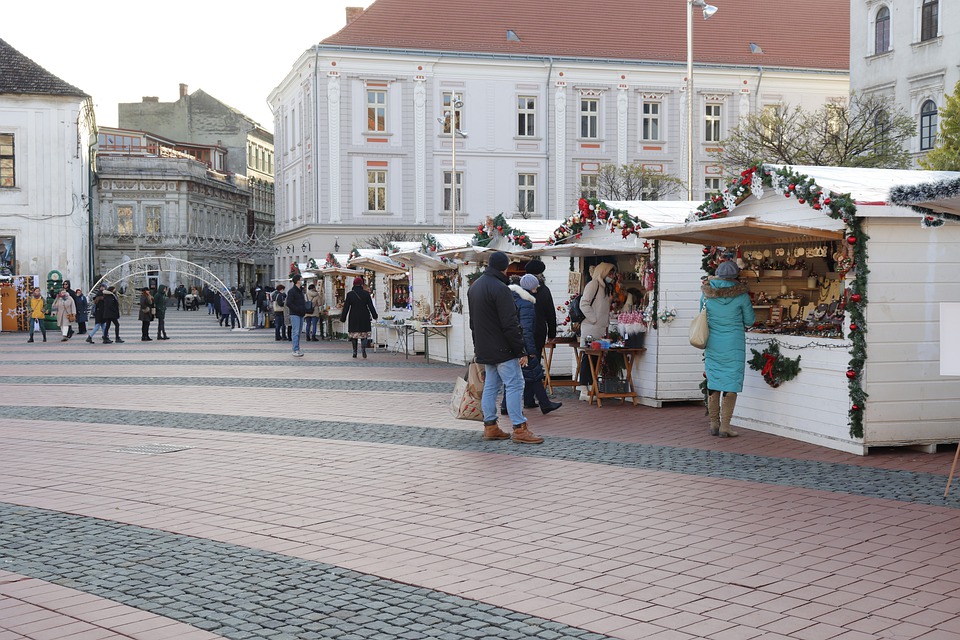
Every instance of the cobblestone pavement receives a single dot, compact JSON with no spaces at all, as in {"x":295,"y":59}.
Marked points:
{"x":213,"y":486}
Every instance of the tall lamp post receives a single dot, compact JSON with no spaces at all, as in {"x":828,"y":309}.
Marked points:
{"x":450,"y":117}
{"x":708,"y":11}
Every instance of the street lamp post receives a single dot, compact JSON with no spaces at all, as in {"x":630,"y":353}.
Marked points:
{"x":708,"y":11}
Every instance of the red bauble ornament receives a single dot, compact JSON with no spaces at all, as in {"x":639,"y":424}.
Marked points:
{"x":856,"y":297}
{"x":500,"y":229}
{"x":786,"y":195}
{"x":826,"y":201}
{"x":706,"y":250}
{"x":853,"y":326}
{"x":817,"y":207}
{"x":851,"y":374}
{"x":792,"y":187}
{"x":801,"y":200}
{"x":855,"y":407}
{"x":851,"y":240}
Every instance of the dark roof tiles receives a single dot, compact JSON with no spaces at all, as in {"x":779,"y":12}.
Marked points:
{"x":22,"y":76}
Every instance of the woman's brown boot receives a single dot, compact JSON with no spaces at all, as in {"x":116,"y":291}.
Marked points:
{"x":713,"y":410}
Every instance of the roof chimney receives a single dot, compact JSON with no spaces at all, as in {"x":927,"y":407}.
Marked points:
{"x":151,"y":98}
{"x":183,"y":90}
{"x":353,"y":13}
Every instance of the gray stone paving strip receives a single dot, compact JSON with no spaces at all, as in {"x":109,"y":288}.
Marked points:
{"x":903,"y":486}
{"x":287,"y":361}
{"x":239,"y":592}
{"x":266,"y":383}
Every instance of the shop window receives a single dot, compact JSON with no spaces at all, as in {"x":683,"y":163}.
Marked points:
{"x":928,"y":125}
{"x":8,"y":174}
{"x":400,"y":293}
{"x":8,"y":260}
{"x":152,"y":220}
{"x":446,"y":294}
{"x":929,"y":20}
{"x":881,"y":31}
{"x":125,"y":221}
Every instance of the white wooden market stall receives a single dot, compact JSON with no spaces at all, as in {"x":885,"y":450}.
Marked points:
{"x":849,"y":283}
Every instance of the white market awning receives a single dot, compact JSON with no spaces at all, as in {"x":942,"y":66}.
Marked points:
{"x":420,"y":260}
{"x":382,"y":266}
{"x":728,"y":232}
{"x":475,"y":253}
{"x":582,"y":250}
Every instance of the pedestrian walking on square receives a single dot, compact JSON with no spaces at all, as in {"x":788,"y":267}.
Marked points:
{"x":260,"y":303}
{"x":66,"y":312}
{"x":181,"y":293}
{"x":111,"y":314}
{"x":279,"y":300}
{"x":312,"y":317}
{"x":98,"y":317}
{"x":546,"y":320}
{"x":729,"y":313}
{"x":524,"y":298}
{"x":498,"y":345}
{"x":160,"y":304}
{"x":146,"y":314}
{"x":37,"y":314}
{"x":296,"y":307}
{"x":210,"y":299}
{"x":357,"y":312}
{"x":83,"y":306}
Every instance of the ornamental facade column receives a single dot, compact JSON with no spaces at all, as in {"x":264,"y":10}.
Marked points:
{"x":333,"y":148}
{"x":419,"y":149}
{"x":560,"y":143}
{"x":622,"y":109}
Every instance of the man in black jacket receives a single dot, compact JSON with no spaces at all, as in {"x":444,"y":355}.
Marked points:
{"x":297,"y":306}
{"x":498,"y":345}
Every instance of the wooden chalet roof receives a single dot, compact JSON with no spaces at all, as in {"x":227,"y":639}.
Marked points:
{"x":20,"y":75}
{"x":652,"y":30}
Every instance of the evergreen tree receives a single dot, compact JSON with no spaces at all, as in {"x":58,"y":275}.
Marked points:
{"x":946,"y":156}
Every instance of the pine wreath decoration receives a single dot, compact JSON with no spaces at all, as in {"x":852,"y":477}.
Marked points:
{"x":774,"y":366}
{"x":484,"y":235}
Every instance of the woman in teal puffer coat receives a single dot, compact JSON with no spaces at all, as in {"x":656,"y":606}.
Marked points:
{"x":729,"y":313}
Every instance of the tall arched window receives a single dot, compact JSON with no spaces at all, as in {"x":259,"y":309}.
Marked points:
{"x":928,"y":125}
{"x":881,"y":31}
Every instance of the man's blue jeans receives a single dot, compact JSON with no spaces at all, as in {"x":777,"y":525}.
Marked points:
{"x":509,"y":375}
{"x":311,"y":326}
{"x":296,"y":324}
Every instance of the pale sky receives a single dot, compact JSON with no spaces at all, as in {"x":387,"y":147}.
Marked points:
{"x":121,"y":51}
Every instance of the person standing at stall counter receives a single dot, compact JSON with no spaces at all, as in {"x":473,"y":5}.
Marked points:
{"x":595,"y":305}
{"x":498,"y":346}
{"x":729,"y":313}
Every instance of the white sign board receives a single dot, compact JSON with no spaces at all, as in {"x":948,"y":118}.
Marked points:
{"x":949,"y":339}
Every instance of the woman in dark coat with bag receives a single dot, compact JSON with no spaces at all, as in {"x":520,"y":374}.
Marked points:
{"x":146,"y":314}
{"x":357,"y":312}
{"x":533,"y":374}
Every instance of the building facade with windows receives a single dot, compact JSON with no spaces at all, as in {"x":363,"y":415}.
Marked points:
{"x":157,"y":197}
{"x":46,"y":133}
{"x":907,"y":50}
{"x":513,"y":108}
{"x":200,"y":119}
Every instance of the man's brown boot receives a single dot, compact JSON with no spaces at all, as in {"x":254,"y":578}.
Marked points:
{"x":713,"y":410}
{"x":726,"y":413}
{"x":522,"y":435}
{"x":492,"y":432}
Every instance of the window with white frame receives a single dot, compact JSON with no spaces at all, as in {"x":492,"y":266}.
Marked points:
{"x":589,"y":117}
{"x":376,"y":110}
{"x":881,"y":31}
{"x":448,"y":189}
{"x":124,"y":221}
{"x":376,"y":190}
{"x":929,"y":19}
{"x":8,"y":166}
{"x":527,"y":193}
{"x":651,"y":120}
{"x":152,"y":219}
{"x":711,"y":185}
{"x":526,"y":116}
{"x":711,"y":122}
{"x":588,"y":185}
{"x":928,"y":125}
{"x":451,"y":110}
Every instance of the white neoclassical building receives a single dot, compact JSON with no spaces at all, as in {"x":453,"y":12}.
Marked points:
{"x":907,"y":50}
{"x":539,"y":99}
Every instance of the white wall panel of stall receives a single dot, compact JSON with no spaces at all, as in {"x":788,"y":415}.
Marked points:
{"x":912,"y":270}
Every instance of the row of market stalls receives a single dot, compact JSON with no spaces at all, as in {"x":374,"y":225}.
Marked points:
{"x":845,"y":352}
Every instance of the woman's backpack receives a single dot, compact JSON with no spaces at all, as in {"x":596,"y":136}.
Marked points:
{"x":576,"y":315}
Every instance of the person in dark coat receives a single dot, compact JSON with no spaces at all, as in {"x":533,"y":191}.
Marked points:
{"x":98,"y":317}
{"x":545,"y":325}
{"x":111,"y":314}
{"x":357,"y":312}
{"x":83,"y":311}
{"x":524,"y":297}
{"x":498,"y":345}
{"x":146,"y":314}
{"x":160,"y":304}
{"x":296,"y":307}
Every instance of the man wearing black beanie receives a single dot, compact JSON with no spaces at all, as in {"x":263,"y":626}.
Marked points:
{"x":498,"y":345}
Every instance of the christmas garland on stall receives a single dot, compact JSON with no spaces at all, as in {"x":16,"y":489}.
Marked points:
{"x":429,"y":244}
{"x":590,"y":213}
{"x":331,"y":261}
{"x":354,"y":253}
{"x":294,"y":271}
{"x":484,"y":234}
{"x":906,"y":195}
{"x":774,"y":366}
{"x":791,"y":184}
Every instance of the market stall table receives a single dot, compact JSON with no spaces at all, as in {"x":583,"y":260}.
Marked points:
{"x":549,"y":383}
{"x":430,"y":330}
{"x":595,"y":358}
